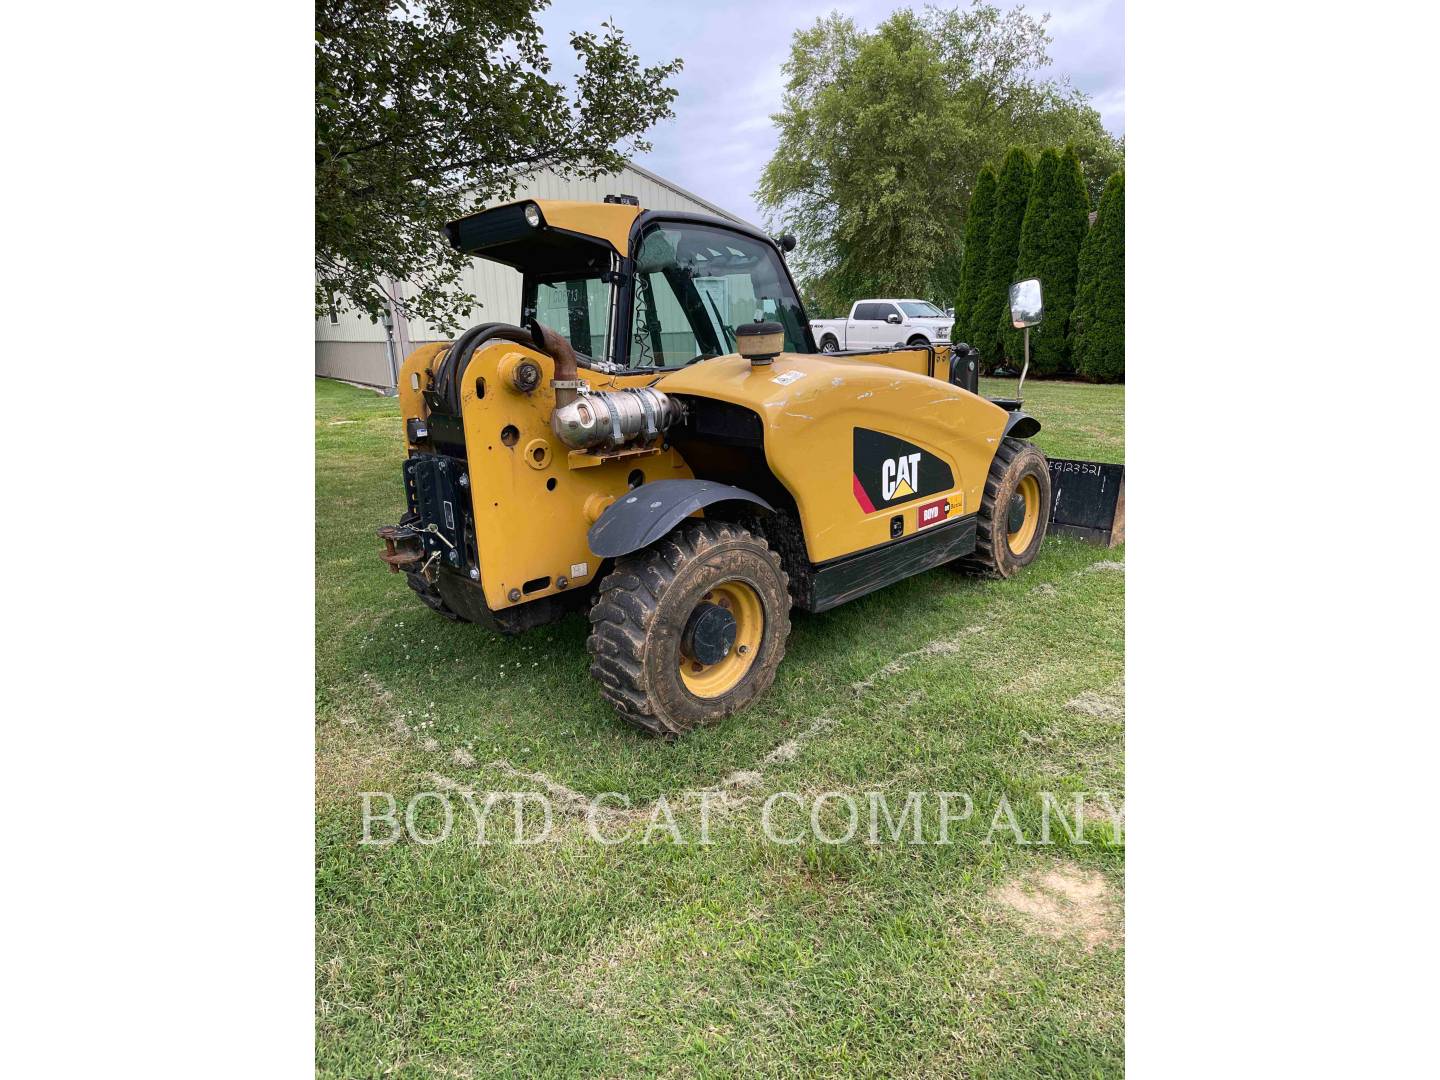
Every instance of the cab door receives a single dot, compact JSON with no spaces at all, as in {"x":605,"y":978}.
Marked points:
{"x":865,"y":327}
{"x":887,"y":332}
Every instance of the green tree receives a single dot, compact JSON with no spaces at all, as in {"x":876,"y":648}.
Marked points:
{"x":882,"y":136}
{"x":426,"y":110}
{"x":978,"y":217}
{"x":1030,"y":260}
{"x":1058,"y":265}
{"x":1100,"y":159}
{"x":1097,"y":326}
{"x":992,"y":308}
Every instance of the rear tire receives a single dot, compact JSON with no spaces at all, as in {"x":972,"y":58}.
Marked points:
{"x":644,"y":624}
{"x":1014,"y":511}
{"x":828,"y":344}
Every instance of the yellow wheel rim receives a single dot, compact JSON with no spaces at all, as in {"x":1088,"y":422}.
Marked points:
{"x":1029,"y":490}
{"x":712,"y":680}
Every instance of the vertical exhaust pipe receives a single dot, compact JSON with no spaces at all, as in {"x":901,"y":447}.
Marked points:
{"x":566,"y":382}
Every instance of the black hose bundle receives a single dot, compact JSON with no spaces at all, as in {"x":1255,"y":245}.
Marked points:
{"x":452,"y":366}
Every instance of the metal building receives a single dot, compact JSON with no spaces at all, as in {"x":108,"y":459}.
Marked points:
{"x":349,"y":346}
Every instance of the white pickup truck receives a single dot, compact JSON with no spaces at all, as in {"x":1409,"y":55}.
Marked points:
{"x":879,"y":323}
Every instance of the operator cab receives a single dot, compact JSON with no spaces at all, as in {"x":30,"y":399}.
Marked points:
{"x":639,"y":290}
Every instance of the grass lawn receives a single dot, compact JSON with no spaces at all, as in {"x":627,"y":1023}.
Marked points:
{"x":740,"y":957}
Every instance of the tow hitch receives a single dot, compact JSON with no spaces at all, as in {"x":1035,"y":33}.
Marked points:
{"x":403,"y":547}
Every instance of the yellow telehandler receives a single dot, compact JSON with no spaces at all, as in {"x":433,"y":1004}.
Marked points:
{"x":660,"y":444}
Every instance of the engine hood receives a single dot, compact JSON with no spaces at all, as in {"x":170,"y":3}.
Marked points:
{"x":796,"y":378}
{"x":816,"y":412}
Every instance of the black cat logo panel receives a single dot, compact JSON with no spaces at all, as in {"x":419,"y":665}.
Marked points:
{"x":888,"y":471}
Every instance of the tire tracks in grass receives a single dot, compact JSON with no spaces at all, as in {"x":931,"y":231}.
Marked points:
{"x":739,"y":786}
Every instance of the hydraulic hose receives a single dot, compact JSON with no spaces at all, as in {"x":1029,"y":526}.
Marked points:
{"x":453,"y":368}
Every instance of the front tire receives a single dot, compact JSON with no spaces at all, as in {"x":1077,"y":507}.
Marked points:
{"x":690,"y":630}
{"x":1014,"y":511}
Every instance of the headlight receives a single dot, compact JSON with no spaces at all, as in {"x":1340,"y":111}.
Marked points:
{"x":944,"y":331}
{"x":532,"y":215}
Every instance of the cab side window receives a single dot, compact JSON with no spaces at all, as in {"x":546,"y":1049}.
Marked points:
{"x":578,"y":308}
{"x":663,"y":335}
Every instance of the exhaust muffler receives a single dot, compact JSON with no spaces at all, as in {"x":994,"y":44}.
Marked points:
{"x":584,"y":421}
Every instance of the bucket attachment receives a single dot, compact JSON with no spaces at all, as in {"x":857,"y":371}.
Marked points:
{"x":1088,"y":501}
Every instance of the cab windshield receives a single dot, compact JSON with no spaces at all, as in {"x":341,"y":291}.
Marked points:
{"x":694,"y":285}
{"x":920,"y":309}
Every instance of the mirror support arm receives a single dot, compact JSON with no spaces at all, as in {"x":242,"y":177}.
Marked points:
{"x":1020,"y":390}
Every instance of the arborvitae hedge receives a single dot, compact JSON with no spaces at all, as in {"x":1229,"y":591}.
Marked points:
{"x":1031,"y":261}
{"x":1097,"y":326}
{"x":993,"y":303}
{"x":1065,"y":229}
{"x":977,"y":250}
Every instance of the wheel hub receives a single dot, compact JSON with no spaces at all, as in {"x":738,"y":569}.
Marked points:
{"x":709,"y":634}
{"x":1017,"y":512}
{"x":1023,"y":514}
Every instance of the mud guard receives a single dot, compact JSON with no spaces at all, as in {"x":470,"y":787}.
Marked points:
{"x":650,"y":511}
{"x":1021,"y":425}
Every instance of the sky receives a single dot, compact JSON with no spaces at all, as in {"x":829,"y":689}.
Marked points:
{"x":722,"y":135}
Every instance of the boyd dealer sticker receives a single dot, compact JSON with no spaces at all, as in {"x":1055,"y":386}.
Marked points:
{"x":932,"y":513}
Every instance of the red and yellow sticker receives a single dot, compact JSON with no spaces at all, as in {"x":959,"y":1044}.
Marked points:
{"x":932,"y":513}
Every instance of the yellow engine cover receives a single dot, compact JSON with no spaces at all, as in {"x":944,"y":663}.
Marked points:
{"x":857,"y":442}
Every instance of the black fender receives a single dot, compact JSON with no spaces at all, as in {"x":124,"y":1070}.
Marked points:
{"x":651,"y":510}
{"x":1020,"y":425}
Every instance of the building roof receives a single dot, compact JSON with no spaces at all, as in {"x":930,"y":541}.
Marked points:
{"x":717,"y":211}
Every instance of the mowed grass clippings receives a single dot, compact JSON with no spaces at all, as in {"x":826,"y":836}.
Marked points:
{"x":743,"y":956}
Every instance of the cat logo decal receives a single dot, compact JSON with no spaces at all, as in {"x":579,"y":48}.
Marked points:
{"x":898,"y":476}
{"x":888,"y":470}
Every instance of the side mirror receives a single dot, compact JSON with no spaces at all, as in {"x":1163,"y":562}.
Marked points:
{"x":1026,"y":308}
{"x":893,"y":318}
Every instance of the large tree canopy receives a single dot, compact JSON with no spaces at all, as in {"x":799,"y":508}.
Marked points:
{"x":883,"y":135}
{"x":427,"y":109}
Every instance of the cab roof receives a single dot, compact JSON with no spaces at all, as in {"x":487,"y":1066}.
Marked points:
{"x":569,"y":234}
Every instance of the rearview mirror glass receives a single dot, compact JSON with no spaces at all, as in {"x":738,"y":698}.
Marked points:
{"x":1025,"y":306}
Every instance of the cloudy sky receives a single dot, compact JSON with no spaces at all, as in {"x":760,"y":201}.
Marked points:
{"x":722,"y":136}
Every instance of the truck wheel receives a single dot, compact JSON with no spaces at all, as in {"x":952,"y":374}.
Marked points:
{"x":829,"y":344}
{"x":691,"y":629}
{"x":1014,"y":511}
{"x":919,"y":341}
{"x":431,"y":598}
